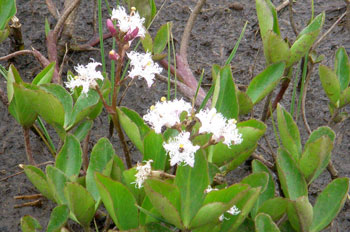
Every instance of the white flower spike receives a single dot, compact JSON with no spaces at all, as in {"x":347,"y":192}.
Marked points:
{"x":143,"y":172}
{"x":181,"y":149}
{"x":166,"y":113}
{"x":128,"y":23}
{"x":86,"y":78}
{"x":222,"y":129}
{"x":143,"y":66}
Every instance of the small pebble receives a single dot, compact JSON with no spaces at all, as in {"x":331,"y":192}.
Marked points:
{"x":236,"y":6}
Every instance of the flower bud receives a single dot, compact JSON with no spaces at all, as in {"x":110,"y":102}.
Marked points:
{"x":130,"y":35}
{"x":111,"y":27}
{"x":113,"y":55}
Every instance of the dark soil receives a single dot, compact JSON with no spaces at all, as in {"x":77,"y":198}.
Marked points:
{"x":214,"y":35}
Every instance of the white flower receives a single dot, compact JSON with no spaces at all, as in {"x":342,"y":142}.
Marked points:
{"x":128,"y":23}
{"x":166,"y":113}
{"x":143,"y":172}
{"x":233,"y":211}
{"x":181,"y":149}
{"x":209,"y":189}
{"x":143,"y":66}
{"x":221,"y":128}
{"x":86,"y":78}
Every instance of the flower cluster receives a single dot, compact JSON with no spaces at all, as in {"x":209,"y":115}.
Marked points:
{"x":143,"y":66}
{"x":166,"y":113}
{"x":143,"y":172}
{"x":181,"y":149}
{"x":86,"y":78}
{"x":221,"y":128}
{"x":129,"y":23}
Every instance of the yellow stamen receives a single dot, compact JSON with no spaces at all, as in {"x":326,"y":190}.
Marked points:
{"x":163,"y":99}
{"x":76,"y":77}
{"x":133,"y":10}
{"x":181,"y":146}
{"x":149,"y":63}
{"x":152,"y":107}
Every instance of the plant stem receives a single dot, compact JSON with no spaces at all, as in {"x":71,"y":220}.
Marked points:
{"x":85,"y":152}
{"x":27,"y":146}
{"x":115,"y":119}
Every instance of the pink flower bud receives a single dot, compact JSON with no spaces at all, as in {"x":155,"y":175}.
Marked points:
{"x":113,"y":55}
{"x":130,"y":35}
{"x":111,"y":27}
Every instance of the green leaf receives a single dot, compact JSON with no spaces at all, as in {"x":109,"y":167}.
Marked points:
{"x":275,"y":48}
{"x":267,"y":17}
{"x":84,"y":106}
{"x":305,"y":39}
{"x":264,"y":223}
{"x":134,"y":126}
{"x":330,"y":84}
{"x":245,"y":204}
{"x":119,"y":202}
{"x":29,"y":224}
{"x":117,"y":168}
{"x":7,"y":11}
{"x":47,"y":27}
{"x":257,"y":179}
{"x":63,"y":96}
{"x":80,"y":202}
{"x":265,"y":82}
{"x":165,"y":198}
{"x":300,"y":214}
{"x":38,"y":179}
{"x":329,"y":203}
{"x":154,"y":150}
{"x":292,"y":181}
{"x":209,"y":213}
{"x":83,"y":129}
{"x":58,"y":218}
{"x":69,"y":159}
{"x":56,"y":181}
{"x":45,"y":102}
{"x":147,"y":42}
{"x":289,"y":133}
{"x":251,"y":131}
{"x":217,"y":202}
{"x":275,"y":207}
{"x":224,"y":98}
{"x":317,"y":153}
{"x":153,"y":8}
{"x":101,"y":154}
{"x":344,"y":97}
{"x":45,"y":75}
{"x":269,"y":193}
{"x":245,"y":103}
{"x":21,"y":108}
{"x":192,"y":181}
{"x":342,"y":68}
{"x":161,"y":39}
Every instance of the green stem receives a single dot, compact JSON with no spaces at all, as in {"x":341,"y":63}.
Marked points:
{"x":100,"y":32}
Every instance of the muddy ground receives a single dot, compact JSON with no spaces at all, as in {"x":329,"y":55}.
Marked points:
{"x":214,"y":35}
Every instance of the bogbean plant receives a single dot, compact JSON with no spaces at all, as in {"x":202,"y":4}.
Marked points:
{"x":186,"y":148}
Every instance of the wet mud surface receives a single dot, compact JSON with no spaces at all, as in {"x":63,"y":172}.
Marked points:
{"x":216,"y":30}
